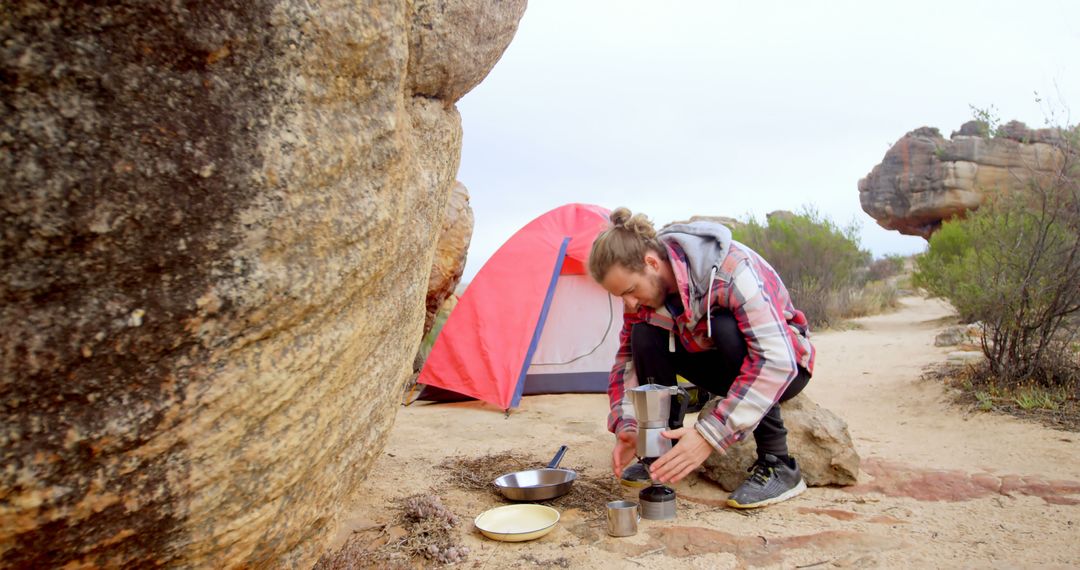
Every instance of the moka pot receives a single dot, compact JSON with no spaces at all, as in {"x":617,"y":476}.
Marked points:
{"x":655,"y":414}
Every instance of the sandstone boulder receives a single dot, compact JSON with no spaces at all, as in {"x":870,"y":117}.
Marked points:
{"x":218,"y":222}
{"x":450,"y":252}
{"x":966,"y":337}
{"x":925,"y":179}
{"x":817,"y":438}
{"x":731,"y":223}
{"x":780,"y":215}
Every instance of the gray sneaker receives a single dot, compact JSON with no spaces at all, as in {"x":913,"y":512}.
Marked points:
{"x":770,"y":481}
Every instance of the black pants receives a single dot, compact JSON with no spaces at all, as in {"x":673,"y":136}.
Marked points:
{"x":712,"y":370}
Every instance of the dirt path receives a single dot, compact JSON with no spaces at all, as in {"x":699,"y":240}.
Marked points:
{"x":940,"y":487}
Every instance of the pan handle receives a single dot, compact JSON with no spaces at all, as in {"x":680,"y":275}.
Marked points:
{"x":558,"y":458}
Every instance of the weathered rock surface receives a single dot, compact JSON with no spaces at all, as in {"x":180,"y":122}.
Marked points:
{"x":966,"y":337}
{"x":961,"y":357}
{"x":817,"y":438}
{"x":731,"y":223}
{"x":450,"y":252}
{"x":784,"y":215}
{"x":218,"y":220}
{"x":925,"y":179}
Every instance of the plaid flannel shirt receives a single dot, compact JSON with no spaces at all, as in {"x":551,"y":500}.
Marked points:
{"x":777,"y":338}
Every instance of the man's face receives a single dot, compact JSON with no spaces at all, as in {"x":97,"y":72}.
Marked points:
{"x":636,"y":288}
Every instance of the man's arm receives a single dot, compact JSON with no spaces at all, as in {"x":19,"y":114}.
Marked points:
{"x":623,"y":377}
{"x":770,"y":364}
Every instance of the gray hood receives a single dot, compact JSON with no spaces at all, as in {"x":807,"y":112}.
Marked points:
{"x":706,"y":245}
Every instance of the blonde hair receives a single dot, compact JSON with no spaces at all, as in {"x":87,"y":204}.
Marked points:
{"x":625,"y":242}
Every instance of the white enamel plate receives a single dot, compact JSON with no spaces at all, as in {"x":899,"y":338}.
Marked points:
{"x":517,"y":523}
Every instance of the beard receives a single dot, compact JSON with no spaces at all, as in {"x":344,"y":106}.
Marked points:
{"x":660,"y":293}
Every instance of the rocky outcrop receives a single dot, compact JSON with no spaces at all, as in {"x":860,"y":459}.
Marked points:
{"x":731,"y":223}
{"x":817,"y":438}
{"x":450,"y":252}
{"x":925,"y":179}
{"x":218,"y":221}
{"x":780,"y":215}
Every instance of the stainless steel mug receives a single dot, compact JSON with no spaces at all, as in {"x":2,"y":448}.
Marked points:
{"x":622,"y":518}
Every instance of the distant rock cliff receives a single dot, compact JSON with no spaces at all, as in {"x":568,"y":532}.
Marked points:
{"x":925,"y":179}
{"x":217,"y":224}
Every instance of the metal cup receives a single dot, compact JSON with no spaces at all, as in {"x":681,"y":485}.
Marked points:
{"x":622,"y":518}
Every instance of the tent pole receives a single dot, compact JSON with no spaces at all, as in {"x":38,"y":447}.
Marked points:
{"x":520,"y":386}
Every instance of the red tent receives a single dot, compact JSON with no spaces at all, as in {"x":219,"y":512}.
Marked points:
{"x":533,"y":320}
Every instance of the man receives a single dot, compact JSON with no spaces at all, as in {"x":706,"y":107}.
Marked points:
{"x":703,"y":306}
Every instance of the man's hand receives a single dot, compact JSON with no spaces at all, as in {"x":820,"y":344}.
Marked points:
{"x":691,"y":451}
{"x":624,"y":452}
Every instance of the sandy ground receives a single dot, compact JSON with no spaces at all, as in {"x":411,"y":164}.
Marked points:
{"x":940,"y":486}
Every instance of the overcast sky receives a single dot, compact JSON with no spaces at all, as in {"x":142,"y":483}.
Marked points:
{"x":736,"y":109}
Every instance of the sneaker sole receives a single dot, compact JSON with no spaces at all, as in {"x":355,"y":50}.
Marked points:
{"x":793,"y":492}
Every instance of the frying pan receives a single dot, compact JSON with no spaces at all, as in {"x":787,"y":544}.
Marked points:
{"x":537,"y":484}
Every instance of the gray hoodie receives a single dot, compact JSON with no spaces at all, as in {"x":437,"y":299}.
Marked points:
{"x":706,"y":244}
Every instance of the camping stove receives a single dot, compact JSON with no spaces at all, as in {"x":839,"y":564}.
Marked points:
{"x":655,"y":414}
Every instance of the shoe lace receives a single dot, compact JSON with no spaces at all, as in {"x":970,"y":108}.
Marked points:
{"x":761,"y":472}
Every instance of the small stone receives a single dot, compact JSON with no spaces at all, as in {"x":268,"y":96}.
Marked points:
{"x":951,"y":336}
{"x":965,"y":357}
{"x":136,"y":318}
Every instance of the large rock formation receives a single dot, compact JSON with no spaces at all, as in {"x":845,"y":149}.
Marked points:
{"x":731,"y":223}
{"x":925,"y":179}
{"x":817,"y":438}
{"x":450,"y":252}
{"x":218,"y":220}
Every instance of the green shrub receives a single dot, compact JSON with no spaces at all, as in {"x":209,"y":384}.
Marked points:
{"x":943,"y":271}
{"x":1034,"y":398}
{"x":818,"y":261}
{"x":886,"y":267}
{"x":1014,"y":266}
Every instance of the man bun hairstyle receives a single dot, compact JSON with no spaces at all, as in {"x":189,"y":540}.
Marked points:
{"x":625,"y":242}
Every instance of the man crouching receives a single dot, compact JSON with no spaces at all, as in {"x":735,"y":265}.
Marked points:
{"x":701,"y":305}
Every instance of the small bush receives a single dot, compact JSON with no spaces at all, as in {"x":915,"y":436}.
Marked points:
{"x":1014,"y":265}
{"x":886,"y":267}
{"x":818,"y":261}
{"x":872,"y":298}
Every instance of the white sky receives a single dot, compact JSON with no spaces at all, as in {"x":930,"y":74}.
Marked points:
{"x":721,"y":108}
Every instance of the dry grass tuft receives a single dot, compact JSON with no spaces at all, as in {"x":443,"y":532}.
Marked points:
{"x":560,"y":562}
{"x":422,"y":530}
{"x":479,"y":473}
{"x":974,"y":387}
